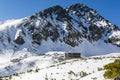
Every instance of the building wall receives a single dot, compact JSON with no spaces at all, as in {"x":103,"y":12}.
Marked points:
{"x":72,"y":55}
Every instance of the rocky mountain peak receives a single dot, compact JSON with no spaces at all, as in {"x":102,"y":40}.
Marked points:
{"x":68,"y":27}
{"x":51,"y":10}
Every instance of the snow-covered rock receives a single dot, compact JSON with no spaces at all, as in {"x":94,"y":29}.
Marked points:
{"x":76,"y":28}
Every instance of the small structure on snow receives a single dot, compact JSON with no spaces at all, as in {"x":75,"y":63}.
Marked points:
{"x":64,"y":55}
{"x":70,"y":55}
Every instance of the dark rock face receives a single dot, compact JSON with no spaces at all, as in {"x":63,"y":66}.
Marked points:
{"x":61,"y":14}
{"x":19,"y":40}
{"x":95,"y":33}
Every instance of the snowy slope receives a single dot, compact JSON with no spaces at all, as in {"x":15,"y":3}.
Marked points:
{"x":45,"y":67}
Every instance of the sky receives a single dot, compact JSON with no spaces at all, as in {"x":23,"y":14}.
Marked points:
{"x":15,"y":9}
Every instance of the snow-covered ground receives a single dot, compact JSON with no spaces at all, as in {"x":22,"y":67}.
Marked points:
{"x":49,"y":67}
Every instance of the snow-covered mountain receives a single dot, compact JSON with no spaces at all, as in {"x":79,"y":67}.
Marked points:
{"x":76,"y":28}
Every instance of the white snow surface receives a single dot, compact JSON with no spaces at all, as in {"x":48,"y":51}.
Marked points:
{"x":47,"y":67}
{"x":101,"y":23}
{"x":17,"y":33}
{"x":86,"y":48}
{"x":116,"y":34}
{"x":9,"y":23}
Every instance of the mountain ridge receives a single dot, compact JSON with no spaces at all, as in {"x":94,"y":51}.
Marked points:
{"x":74,"y":28}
